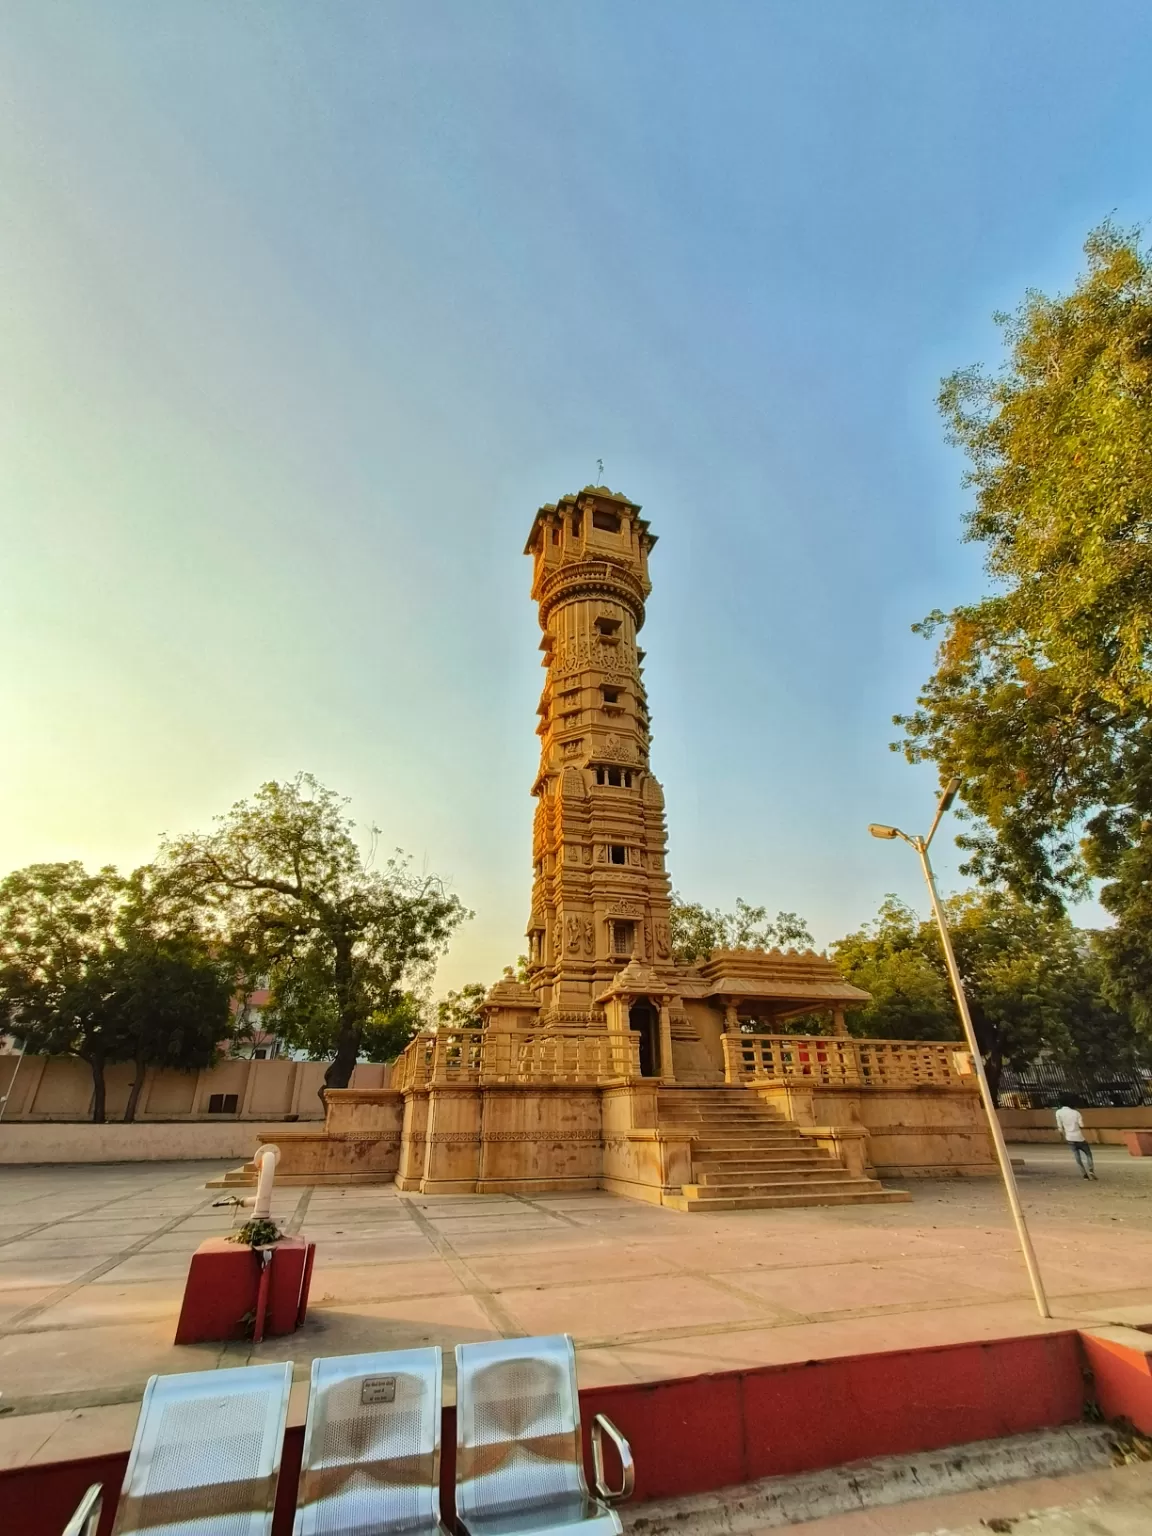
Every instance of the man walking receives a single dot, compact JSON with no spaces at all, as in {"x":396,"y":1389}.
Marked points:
{"x":1071,"y":1122}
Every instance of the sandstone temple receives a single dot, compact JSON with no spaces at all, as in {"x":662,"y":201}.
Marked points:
{"x":613,"y":1066}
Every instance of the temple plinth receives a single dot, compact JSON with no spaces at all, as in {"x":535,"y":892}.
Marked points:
{"x":611,"y":1065}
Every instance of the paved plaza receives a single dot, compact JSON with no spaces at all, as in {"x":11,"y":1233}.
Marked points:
{"x":93,"y":1260}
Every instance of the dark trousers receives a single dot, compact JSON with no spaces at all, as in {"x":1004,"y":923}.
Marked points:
{"x":1082,"y":1152}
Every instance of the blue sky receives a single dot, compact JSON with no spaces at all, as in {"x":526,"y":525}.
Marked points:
{"x":306,"y":308}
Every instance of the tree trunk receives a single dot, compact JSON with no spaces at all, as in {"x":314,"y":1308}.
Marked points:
{"x":98,"y":1090}
{"x":134,"y":1093}
{"x":343,"y":1064}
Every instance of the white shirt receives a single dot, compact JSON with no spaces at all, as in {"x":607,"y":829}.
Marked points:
{"x":1071,"y":1122}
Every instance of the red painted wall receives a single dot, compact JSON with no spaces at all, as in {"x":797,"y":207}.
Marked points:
{"x":700,"y":1433}
{"x":1123,"y":1378}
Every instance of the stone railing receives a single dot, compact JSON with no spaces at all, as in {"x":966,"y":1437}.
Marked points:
{"x":836,"y":1062}
{"x":413,"y":1068}
{"x":529,"y":1057}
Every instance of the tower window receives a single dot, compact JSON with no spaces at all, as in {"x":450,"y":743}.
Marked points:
{"x":615,"y":777}
{"x":555,"y":535}
{"x":623,"y":937}
{"x":608,"y":628}
{"x":610,"y":695}
{"x":577,"y":524}
{"x":608,"y":521}
{"x":617,"y":854}
{"x":627,"y":779}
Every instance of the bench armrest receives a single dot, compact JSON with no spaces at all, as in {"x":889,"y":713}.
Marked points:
{"x":87,"y":1517}
{"x":601,"y":1426}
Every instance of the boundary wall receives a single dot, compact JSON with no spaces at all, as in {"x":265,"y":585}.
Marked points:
{"x":59,"y":1089}
{"x":704,"y":1433}
{"x":1107,"y":1127}
{"x":183,"y":1141}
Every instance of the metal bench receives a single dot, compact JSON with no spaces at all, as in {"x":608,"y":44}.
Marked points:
{"x":206,"y":1454}
{"x":519,"y":1463}
{"x":371,"y":1464}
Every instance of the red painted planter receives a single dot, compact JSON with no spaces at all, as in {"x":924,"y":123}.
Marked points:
{"x":223,"y":1294}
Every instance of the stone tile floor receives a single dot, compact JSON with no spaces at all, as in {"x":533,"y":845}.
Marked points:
{"x":93,"y":1260}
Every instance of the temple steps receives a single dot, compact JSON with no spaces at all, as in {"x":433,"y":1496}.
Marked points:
{"x":690,"y":1199}
{"x":748,"y":1156}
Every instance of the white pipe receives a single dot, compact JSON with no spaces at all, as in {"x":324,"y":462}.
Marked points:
{"x":265,"y":1160}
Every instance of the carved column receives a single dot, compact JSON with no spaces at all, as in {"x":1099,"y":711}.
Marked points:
{"x":667,"y":1070}
{"x":839,"y":1025}
{"x":731,"y":1019}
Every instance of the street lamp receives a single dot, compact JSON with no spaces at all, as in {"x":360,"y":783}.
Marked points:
{"x":921,"y":846}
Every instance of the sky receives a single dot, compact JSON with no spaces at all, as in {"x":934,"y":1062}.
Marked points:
{"x":305,"y":309}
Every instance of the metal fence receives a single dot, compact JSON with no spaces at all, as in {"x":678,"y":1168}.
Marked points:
{"x":1043,"y":1084}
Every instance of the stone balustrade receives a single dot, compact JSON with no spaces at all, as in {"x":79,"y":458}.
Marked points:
{"x":842,"y":1062}
{"x":528,"y":1057}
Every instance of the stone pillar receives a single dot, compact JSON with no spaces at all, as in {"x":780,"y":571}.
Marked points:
{"x":839,"y":1025}
{"x":667,"y":1070}
{"x":731,"y":1019}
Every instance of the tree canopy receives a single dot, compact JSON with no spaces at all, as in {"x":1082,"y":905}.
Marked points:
{"x":283,"y":878}
{"x":697,"y":930}
{"x":1035,"y":983}
{"x":1041,"y":699}
{"x":93,"y":966}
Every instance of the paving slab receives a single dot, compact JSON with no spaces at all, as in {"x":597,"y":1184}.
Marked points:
{"x":88,"y":1302}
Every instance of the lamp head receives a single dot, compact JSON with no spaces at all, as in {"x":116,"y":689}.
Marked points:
{"x":888,"y":832}
{"x":951,"y":790}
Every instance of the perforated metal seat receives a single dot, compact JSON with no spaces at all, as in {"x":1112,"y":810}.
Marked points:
{"x":371,"y":1464}
{"x":519,"y":1465}
{"x":207,"y":1454}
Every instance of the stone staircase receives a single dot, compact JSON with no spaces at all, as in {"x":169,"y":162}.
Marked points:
{"x":746,"y":1156}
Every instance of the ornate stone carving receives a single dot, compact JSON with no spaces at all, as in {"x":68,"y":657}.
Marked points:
{"x":617,"y":749}
{"x":589,"y":937}
{"x":626,"y":909}
{"x":554,"y":1137}
{"x":663,"y":941}
{"x":572,"y":929}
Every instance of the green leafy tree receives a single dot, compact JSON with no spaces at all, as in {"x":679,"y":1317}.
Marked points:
{"x":888,"y":957}
{"x":92,"y":966}
{"x":1034,"y":983}
{"x":176,"y":1007}
{"x":389,"y":1030}
{"x":461,"y":1010}
{"x":697,"y":930}
{"x":282,"y":878}
{"x":1041,"y":700}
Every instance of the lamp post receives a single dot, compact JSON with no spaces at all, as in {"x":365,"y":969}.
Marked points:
{"x":921,"y":846}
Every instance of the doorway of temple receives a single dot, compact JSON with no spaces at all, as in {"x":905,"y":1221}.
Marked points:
{"x":643,"y":1019}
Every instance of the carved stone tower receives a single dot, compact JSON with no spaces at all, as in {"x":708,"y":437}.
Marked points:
{"x":600,"y":894}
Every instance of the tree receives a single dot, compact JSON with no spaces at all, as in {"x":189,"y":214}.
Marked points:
{"x":697,"y":930}
{"x":1034,"y":983}
{"x":888,"y":957}
{"x":175,"y":1008}
{"x":461,"y":1010}
{"x":1041,"y":700}
{"x":283,"y":878}
{"x":388,"y":1031}
{"x":91,"y":967}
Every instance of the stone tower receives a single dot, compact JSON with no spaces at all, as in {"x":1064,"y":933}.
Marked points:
{"x":600,"y":893}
